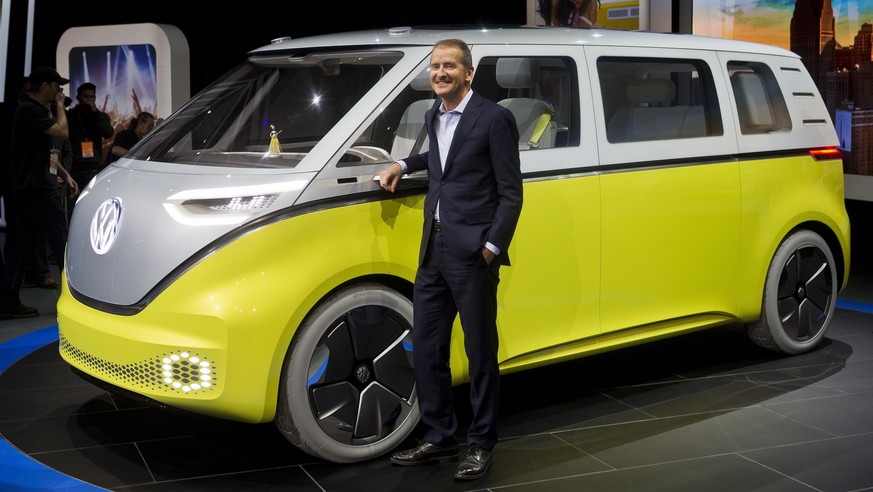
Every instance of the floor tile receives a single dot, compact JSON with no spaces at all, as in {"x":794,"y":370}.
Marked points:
{"x":120,"y":464}
{"x":699,"y":395}
{"x":545,"y":410}
{"x":831,"y":465}
{"x":727,"y":473}
{"x":40,"y":376}
{"x":679,"y":438}
{"x":797,"y":390}
{"x":515,"y":460}
{"x":842,"y":415}
{"x":861,"y":345}
{"x":278,"y":479}
{"x":62,"y":432}
{"x":231,"y":448}
{"x":853,"y":377}
{"x":381,"y":474}
{"x":30,"y":404}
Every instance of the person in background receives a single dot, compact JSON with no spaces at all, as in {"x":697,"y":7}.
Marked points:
{"x":89,"y":125}
{"x":127,"y":138}
{"x":35,"y":207}
{"x":7,"y":111}
{"x":584,"y":13}
{"x":37,"y":271}
{"x":472,"y":206}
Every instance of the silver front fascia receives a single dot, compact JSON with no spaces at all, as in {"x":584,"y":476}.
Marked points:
{"x":140,"y":220}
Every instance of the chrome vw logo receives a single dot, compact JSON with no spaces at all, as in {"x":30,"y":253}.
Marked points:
{"x":362,"y":373}
{"x":105,"y":225}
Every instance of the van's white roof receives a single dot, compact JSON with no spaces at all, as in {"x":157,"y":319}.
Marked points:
{"x":473,"y":35}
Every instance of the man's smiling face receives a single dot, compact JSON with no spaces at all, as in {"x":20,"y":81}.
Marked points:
{"x":448,"y":77}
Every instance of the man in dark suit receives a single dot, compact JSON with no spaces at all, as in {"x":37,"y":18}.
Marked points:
{"x":470,"y":213}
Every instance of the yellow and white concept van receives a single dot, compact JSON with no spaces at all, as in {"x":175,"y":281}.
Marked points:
{"x":242,"y":262}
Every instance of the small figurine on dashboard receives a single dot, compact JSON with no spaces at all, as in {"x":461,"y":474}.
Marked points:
{"x":275,"y":148}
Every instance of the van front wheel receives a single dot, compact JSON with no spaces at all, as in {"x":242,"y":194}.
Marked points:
{"x":800,"y":294}
{"x":348,"y":391}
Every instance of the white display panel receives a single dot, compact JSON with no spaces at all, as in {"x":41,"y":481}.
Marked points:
{"x":136,"y":67}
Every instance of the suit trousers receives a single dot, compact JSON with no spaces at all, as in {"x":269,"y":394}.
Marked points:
{"x":446,"y":286}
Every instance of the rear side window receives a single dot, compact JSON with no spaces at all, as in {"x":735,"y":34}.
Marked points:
{"x":658,"y":99}
{"x":760,"y":105}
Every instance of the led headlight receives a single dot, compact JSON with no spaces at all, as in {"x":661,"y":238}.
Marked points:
{"x":227,"y":206}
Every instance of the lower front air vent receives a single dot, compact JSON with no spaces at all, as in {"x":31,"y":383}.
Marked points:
{"x":180,"y":372}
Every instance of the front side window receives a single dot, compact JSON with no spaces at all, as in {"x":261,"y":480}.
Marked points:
{"x":542,"y":94}
{"x":398,"y":130}
{"x":268,"y":112}
{"x":658,"y":99}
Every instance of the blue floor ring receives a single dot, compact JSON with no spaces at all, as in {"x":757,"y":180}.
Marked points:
{"x":17,"y":470}
{"x":855,"y":306}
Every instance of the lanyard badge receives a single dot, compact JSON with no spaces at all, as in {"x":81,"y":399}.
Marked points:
{"x":87,"y":149}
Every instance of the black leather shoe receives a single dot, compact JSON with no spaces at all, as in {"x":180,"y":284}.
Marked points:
{"x":475,"y":464}
{"x":18,"y":311}
{"x":425,"y":453}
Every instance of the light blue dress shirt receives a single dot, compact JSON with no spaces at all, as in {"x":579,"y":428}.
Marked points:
{"x":447,"y":122}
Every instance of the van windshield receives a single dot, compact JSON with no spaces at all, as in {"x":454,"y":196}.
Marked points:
{"x":268,"y":112}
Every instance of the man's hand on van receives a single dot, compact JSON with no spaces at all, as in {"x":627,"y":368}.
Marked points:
{"x":390,"y":176}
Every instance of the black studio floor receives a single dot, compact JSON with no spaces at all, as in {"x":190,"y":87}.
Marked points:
{"x":701,"y":412}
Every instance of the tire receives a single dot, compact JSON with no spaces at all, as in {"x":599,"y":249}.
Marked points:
{"x":347,"y":392}
{"x":800,"y":294}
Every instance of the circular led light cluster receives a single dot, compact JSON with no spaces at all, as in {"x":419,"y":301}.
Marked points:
{"x":186,"y":372}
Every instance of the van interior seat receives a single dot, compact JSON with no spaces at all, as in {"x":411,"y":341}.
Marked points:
{"x":753,"y":103}
{"x":648,"y":115}
{"x":411,"y":125}
{"x":534,"y":117}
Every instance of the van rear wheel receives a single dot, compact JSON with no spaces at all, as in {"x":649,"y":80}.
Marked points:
{"x":348,"y":391}
{"x":800,"y":294}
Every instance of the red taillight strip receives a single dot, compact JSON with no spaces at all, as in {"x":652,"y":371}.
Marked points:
{"x":825,"y":154}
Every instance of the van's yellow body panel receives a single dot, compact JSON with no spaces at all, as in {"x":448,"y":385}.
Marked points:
{"x":557,"y":244}
{"x":774,"y":190}
{"x":666,"y":233}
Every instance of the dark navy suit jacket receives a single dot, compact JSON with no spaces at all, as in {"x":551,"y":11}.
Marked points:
{"x":480,"y":190}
